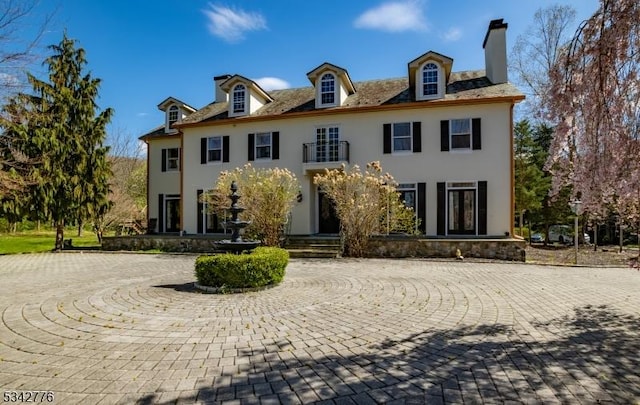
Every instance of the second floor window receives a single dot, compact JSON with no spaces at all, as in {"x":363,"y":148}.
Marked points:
{"x":460,"y":134}
{"x":239,"y":98}
{"x":430,"y":79}
{"x":263,"y":145}
{"x":328,"y":89}
{"x":173,"y":159}
{"x":214,"y":149}
{"x":402,"y":137}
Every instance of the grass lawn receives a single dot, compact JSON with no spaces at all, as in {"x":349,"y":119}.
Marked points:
{"x":34,"y":242}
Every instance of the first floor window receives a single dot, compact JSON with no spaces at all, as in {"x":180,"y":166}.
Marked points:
{"x":173,"y":159}
{"x":263,"y":145}
{"x":401,"y":137}
{"x":408,"y":194}
{"x":460,"y":134}
{"x":214,"y":149}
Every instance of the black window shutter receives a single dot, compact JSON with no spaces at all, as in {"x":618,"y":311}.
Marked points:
{"x":275,"y":145}
{"x":482,"y":208}
{"x":180,"y":159}
{"x":251,"y":150}
{"x":386,"y":141}
{"x":160,"y":213}
{"x":164,"y":160}
{"x":417,"y":136}
{"x":203,"y":151}
{"x":476,"y":135}
{"x":422,"y":207}
{"x":200,"y":211}
{"x":225,"y":148}
{"x":444,"y":135}
{"x":442,"y":203}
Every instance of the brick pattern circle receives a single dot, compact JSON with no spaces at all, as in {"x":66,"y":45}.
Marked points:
{"x":120,"y":328}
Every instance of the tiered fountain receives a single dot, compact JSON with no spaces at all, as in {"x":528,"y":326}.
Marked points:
{"x":236,"y":245}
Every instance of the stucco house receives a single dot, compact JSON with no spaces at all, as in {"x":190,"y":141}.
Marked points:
{"x":446,"y":137}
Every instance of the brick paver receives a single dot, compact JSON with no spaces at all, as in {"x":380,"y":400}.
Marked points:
{"x":121,"y":328}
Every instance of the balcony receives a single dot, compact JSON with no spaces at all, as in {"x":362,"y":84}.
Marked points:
{"x":318,"y":156}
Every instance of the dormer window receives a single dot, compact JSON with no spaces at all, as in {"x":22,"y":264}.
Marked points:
{"x":328,"y":89}
{"x":173,"y":115}
{"x":239,"y":99}
{"x":428,"y":76}
{"x":430,"y":80}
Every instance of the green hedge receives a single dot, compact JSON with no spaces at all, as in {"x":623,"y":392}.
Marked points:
{"x":263,"y":266}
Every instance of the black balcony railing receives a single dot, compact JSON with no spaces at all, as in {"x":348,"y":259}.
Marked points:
{"x":317,"y":152}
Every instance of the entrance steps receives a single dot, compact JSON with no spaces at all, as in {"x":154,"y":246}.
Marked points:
{"x":314,"y":246}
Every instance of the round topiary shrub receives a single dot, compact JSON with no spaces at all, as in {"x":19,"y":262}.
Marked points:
{"x":264,"y":266}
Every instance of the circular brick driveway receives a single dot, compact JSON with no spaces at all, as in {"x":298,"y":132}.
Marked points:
{"x":126,"y":328}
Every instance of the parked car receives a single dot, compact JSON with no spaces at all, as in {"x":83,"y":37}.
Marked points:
{"x":537,"y":238}
{"x":561,"y":234}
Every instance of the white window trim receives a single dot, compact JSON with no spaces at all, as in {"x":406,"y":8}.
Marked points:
{"x":402,"y":152}
{"x":167,"y":122}
{"x":232,"y":112}
{"x":451,"y":134}
{"x":414,"y":188}
{"x":177,"y":159}
{"x":255,"y":147}
{"x":420,"y":82}
{"x":215,"y":162}
{"x":336,"y":90}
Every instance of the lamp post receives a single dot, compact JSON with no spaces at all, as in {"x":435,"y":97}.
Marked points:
{"x":575,"y":208}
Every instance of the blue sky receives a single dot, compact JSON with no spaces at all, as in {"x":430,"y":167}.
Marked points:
{"x":146,"y":51}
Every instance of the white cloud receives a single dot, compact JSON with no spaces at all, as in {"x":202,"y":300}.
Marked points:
{"x":452,"y":35}
{"x":394,"y":16}
{"x":8,"y":80}
{"x":231,"y":24}
{"x":142,"y":114}
{"x":272,"y":83}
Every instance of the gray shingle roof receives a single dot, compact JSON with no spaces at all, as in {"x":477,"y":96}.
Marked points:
{"x":467,"y":85}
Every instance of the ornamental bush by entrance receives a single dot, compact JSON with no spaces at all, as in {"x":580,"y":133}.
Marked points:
{"x":262,"y":267}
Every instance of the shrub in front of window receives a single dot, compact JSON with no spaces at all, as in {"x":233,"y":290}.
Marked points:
{"x":366,"y":204}
{"x":262,"y":267}
{"x":268,"y":196}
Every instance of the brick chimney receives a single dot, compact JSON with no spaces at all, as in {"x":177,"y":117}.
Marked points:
{"x":495,"y":52}
{"x":221,"y":95}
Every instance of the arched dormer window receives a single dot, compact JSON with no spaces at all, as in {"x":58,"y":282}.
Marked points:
{"x":239,"y":99}
{"x":174,"y":112}
{"x":430,"y":80}
{"x":328,"y":89}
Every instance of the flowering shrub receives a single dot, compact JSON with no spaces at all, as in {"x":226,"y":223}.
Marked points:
{"x":268,"y":196}
{"x":366,"y":203}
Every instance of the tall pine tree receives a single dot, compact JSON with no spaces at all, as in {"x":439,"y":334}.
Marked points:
{"x":65,"y":132}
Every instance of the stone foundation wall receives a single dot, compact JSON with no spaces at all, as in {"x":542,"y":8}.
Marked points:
{"x":398,"y":246}
{"x":380,"y":246}
{"x":166,"y":243}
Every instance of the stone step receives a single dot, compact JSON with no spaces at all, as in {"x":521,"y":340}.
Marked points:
{"x":312,"y":253}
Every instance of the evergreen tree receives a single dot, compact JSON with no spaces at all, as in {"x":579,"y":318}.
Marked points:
{"x":65,"y":132}
{"x":531,"y":185}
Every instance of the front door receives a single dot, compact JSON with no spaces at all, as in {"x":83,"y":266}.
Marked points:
{"x":172,"y":209}
{"x":327,"y":218}
{"x":462,"y":212}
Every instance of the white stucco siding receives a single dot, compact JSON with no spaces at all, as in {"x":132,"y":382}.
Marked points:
{"x":364,"y":132}
{"x":167,"y":182}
